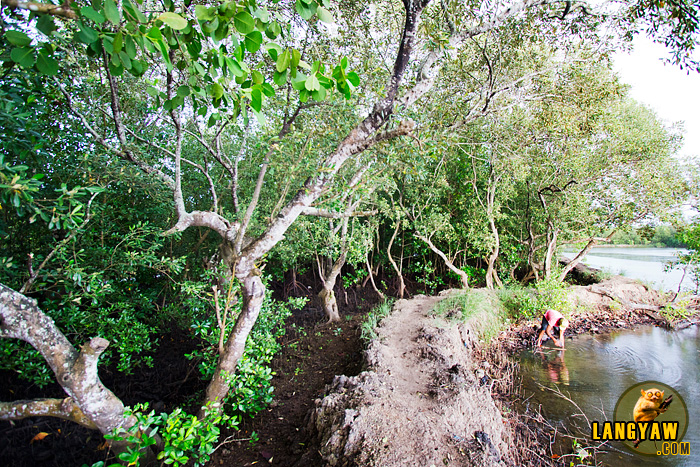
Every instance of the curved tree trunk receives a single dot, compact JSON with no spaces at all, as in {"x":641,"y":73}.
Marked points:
{"x":491,"y":274}
{"x":402,"y":284}
{"x":462,"y":275}
{"x":329,"y":304}
{"x":89,"y":402}
{"x":370,"y":276}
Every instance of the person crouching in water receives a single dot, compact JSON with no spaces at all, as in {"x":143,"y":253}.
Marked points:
{"x":552,"y":320}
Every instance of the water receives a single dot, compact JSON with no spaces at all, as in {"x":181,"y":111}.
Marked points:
{"x":646,"y":264}
{"x":595,"y":370}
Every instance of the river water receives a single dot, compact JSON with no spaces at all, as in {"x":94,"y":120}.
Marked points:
{"x":646,"y":264}
{"x":596,"y":370}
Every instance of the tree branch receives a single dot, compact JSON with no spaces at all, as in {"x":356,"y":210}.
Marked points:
{"x":127,"y":155}
{"x":310,"y":211}
{"x":64,"y":11}
{"x":66,"y":409}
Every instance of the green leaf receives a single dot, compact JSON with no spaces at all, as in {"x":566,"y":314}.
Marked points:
{"x":173,"y":20}
{"x":283,"y":61}
{"x":353,"y":78}
{"x":90,"y":13}
{"x":273,"y":30}
{"x":45,"y":24}
{"x":217,"y":91}
{"x":244,"y":23}
{"x":299,"y":82}
{"x":209,"y":27}
{"x":253,"y":41}
{"x":130,"y":47}
{"x":324,"y":15}
{"x":304,"y":10}
{"x":257,"y":77}
{"x":18,"y":38}
{"x":24,"y":56}
{"x":134,"y":12}
{"x":280,"y":78}
{"x":116,"y":70}
{"x":262,"y":14}
{"x":138,"y":68}
{"x":183,"y":91}
{"x":86,"y":35}
{"x":319,"y":95}
{"x":111,"y":12}
{"x":312,"y":83}
{"x":126,"y":61}
{"x":118,"y":42}
{"x":46,"y":65}
{"x":295,"y":58}
{"x":234,"y":67}
{"x":274,"y":50}
{"x":204,"y":13}
{"x":268,"y":90}
{"x":256,"y":99}
{"x":154,"y":34}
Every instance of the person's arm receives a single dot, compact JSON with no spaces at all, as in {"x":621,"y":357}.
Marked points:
{"x":539,"y":338}
{"x":561,"y":337}
{"x":549,"y":333}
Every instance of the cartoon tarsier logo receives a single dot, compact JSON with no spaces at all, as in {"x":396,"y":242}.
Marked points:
{"x":650,"y":405}
{"x":649,"y":418}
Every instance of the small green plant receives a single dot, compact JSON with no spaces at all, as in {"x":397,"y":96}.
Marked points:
{"x":251,"y":386}
{"x":374,"y":317}
{"x":337,"y":331}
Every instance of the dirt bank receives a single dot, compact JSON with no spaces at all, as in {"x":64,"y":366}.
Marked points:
{"x":419,"y":402}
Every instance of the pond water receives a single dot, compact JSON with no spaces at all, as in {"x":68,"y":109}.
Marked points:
{"x":646,"y":264}
{"x":596,"y":370}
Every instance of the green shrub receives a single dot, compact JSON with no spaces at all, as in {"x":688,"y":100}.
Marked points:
{"x":185,"y":438}
{"x":530,"y":302}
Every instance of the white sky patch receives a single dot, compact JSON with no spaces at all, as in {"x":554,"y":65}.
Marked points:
{"x":672,"y":93}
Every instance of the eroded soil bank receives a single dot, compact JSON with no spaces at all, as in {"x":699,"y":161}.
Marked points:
{"x":421,"y":400}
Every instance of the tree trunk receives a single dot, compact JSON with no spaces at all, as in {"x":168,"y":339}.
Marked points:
{"x":329,"y":304}
{"x":552,"y":236}
{"x":89,"y":402}
{"x":491,"y":274}
{"x":462,"y":275}
{"x":370,"y":276}
{"x":253,"y":291}
{"x":577,"y":259}
{"x":402,"y":284}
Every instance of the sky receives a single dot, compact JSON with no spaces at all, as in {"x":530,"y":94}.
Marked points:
{"x":667,"y":89}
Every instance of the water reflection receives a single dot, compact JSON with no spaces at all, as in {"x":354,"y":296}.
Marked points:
{"x":595,"y":370}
